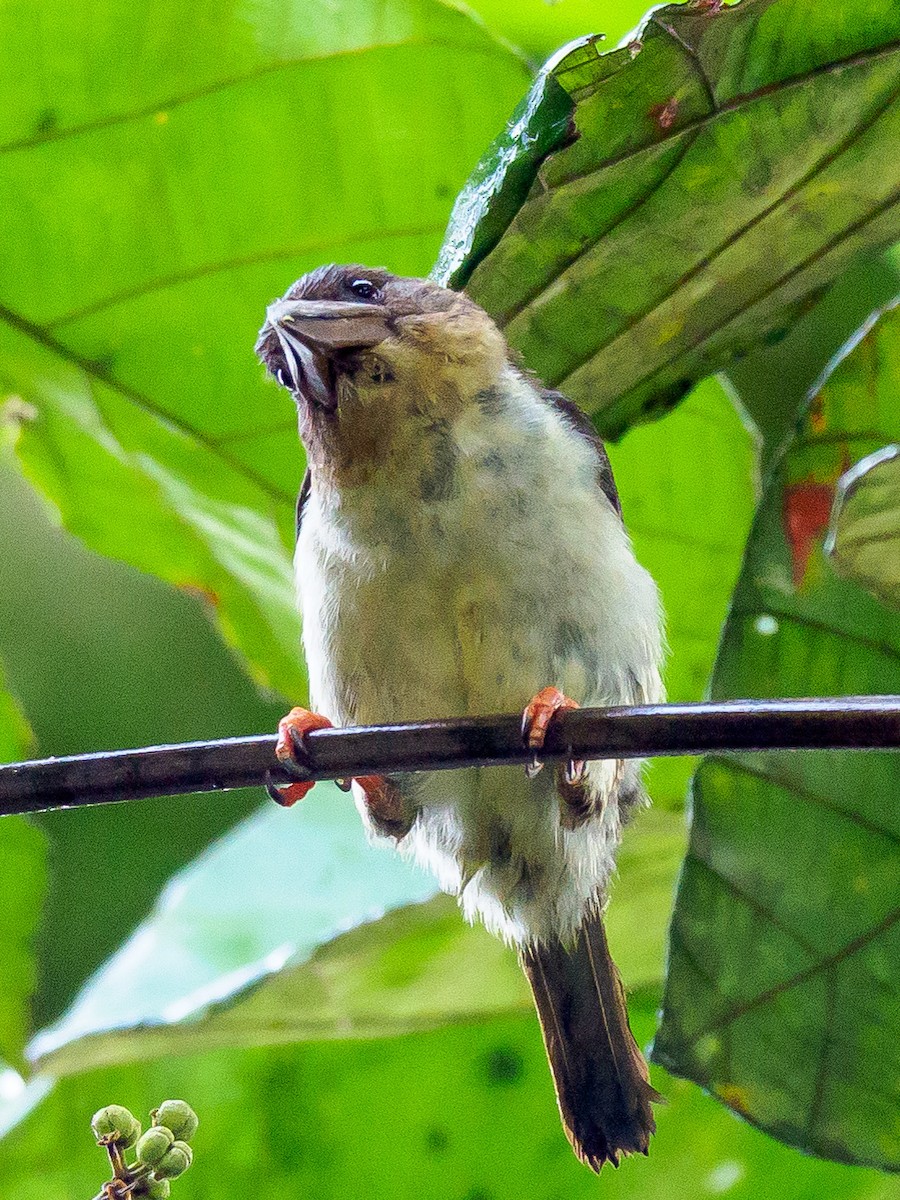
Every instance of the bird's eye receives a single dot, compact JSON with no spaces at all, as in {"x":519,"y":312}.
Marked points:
{"x":282,"y":378}
{"x":364,"y":288}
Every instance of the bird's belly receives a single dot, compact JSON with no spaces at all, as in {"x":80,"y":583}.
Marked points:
{"x":521,"y":576}
{"x":410,"y":639}
{"x":415,"y":641}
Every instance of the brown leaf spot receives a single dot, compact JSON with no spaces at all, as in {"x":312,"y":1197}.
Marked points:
{"x":817,"y":419}
{"x":732,"y":1095}
{"x":806,"y":509}
{"x":203,"y":594}
{"x":665,"y":115}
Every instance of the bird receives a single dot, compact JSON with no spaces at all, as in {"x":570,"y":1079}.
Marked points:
{"x":461,"y":551}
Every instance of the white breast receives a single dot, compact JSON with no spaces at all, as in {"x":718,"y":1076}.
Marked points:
{"x":465,"y":590}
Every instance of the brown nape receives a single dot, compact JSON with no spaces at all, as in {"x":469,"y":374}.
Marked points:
{"x":333,"y":282}
{"x":402,"y":296}
{"x":601,"y":1079}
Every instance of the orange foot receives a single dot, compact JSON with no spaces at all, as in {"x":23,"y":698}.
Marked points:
{"x":386,"y":805}
{"x":384,"y":800}
{"x":290,"y":749}
{"x":536,"y":718}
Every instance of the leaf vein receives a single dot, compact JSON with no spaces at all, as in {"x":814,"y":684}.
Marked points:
{"x":779,"y":989}
{"x":219,"y":85}
{"x":234,"y":264}
{"x":741,"y":766}
{"x":732,"y":239}
{"x":139,"y":400}
{"x":846,"y":636}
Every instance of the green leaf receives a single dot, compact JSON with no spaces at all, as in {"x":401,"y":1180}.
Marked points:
{"x":268,"y":893}
{"x":23,"y":868}
{"x":774,"y":381}
{"x":672,"y":475}
{"x":864,"y":538}
{"x":727,"y":167}
{"x":23,"y":881}
{"x":464,"y":1113}
{"x":293,"y":928}
{"x":15,"y":734}
{"x":157,"y":194}
{"x":101,"y":658}
{"x":785,"y":944}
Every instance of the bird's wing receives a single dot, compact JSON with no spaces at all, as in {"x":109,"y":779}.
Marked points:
{"x":581,"y":423}
{"x":303,"y":496}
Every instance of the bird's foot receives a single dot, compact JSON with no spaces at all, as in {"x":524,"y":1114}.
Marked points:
{"x":536,"y":718}
{"x":386,"y":806}
{"x":383,"y":799}
{"x":291,"y":752}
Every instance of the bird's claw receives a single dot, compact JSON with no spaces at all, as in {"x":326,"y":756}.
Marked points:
{"x":286,"y":794}
{"x":536,"y":718}
{"x":291,"y":751}
{"x":383,"y":799}
{"x":575,"y":769}
{"x":533,"y":768}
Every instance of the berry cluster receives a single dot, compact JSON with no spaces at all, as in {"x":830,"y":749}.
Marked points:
{"x":161,"y":1154}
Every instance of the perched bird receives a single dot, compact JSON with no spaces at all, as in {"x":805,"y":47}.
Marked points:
{"x":460,"y":548}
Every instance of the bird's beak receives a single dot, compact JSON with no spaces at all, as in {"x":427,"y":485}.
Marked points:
{"x":311,"y":333}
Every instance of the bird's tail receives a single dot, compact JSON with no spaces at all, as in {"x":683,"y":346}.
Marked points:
{"x":601,"y":1078}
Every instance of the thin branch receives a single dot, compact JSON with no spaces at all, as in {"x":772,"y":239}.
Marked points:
{"x":839,"y":723}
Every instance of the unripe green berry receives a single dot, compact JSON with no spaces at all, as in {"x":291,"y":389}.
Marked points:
{"x":115,"y":1123}
{"x":175,"y":1162}
{"x":178,"y":1116}
{"x":154,"y":1145}
{"x":154,"y":1189}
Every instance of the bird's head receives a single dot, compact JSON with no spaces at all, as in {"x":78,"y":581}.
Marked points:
{"x":358,"y":338}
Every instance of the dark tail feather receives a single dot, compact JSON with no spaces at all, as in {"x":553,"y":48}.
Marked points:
{"x":601,"y":1079}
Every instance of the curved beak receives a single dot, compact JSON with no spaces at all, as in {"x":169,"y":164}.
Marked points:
{"x":312,"y":332}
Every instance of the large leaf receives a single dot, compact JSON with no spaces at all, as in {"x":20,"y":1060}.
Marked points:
{"x":271,"y":891}
{"x":293,"y":928}
{"x":463,"y":1113}
{"x":687,"y":489}
{"x":22,"y":885}
{"x":785,"y":945}
{"x":157,"y":193}
{"x":864,"y":540}
{"x":162,"y":497}
{"x":102,"y":657}
{"x":774,"y":381}
{"x":727,"y":166}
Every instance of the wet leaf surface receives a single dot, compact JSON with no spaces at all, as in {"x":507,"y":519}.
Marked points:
{"x":728,"y":165}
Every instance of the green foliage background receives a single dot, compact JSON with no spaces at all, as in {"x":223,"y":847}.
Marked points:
{"x":314,"y":132}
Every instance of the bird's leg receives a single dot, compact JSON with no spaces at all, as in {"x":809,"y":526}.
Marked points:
{"x":536,"y":718}
{"x":386,"y":806}
{"x":291,"y":752}
{"x":383,"y":798}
